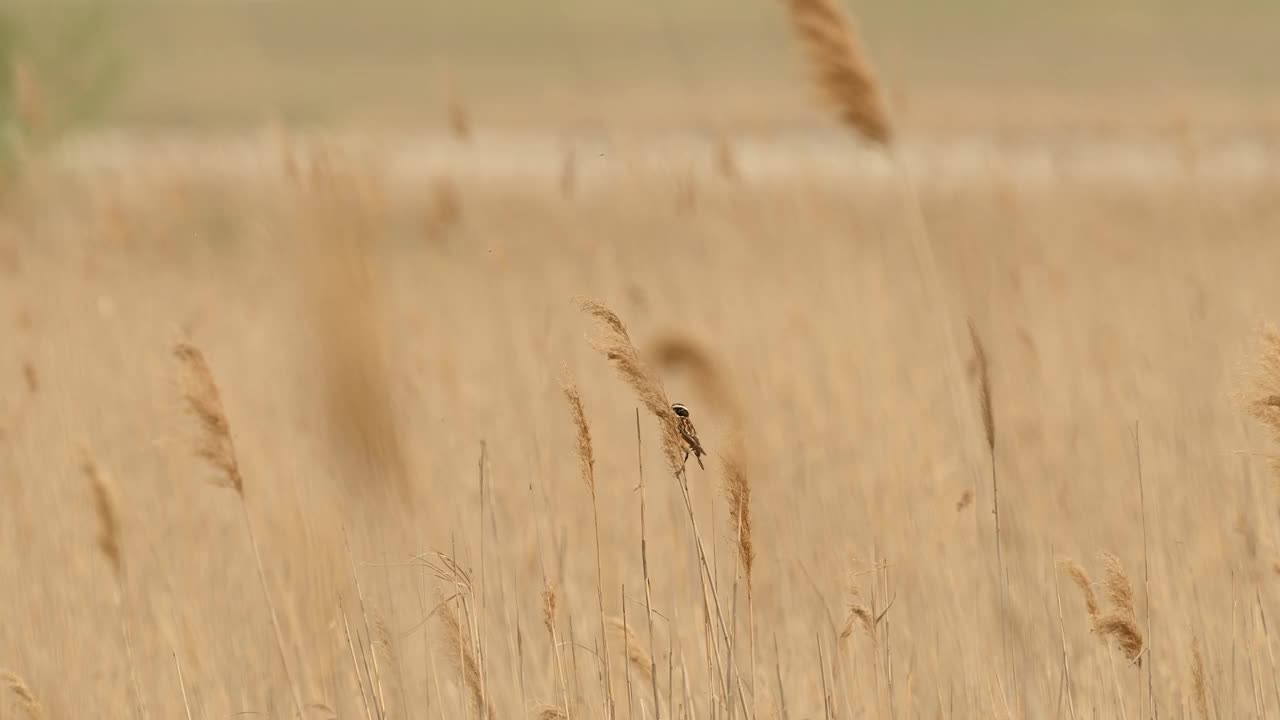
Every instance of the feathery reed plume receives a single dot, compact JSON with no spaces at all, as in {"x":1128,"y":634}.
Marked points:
{"x":27,"y":702}
{"x":636,"y":654}
{"x":984,"y":386}
{"x":1199,"y":687}
{"x":1124,"y":631}
{"x":342,"y":296}
{"x":215,"y":446}
{"x":989,"y":427}
{"x":1263,"y":402}
{"x":548,"y":712}
{"x":617,"y":346}
{"x":586,"y":462}
{"x":459,"y":649}
{"x":1085,"y":584}
{"x":737,"y":490}
{"x":205,"y":403}
{"x":104,"y":504}
{"x":586,"y":457}
{"x":681,"y":352}
{"x":844,"y":73}
{"x":1121,"y":624}
{"x":1119,"y":591}
{"x":549,"y":610}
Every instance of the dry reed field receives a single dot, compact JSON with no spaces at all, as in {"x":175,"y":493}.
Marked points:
{"x":308,"y":423}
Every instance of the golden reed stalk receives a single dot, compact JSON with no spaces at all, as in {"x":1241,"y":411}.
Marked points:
{"x":842,"y":69}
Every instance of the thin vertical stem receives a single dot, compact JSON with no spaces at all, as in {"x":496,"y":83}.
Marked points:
{"x":355,"y":664}
{"x":626,"y":666}
{"x":1000,"y":574}
{"x":128,"y":648}
{"x":561,"y":675}
{"x":1146,"y":579}
{"x":644,"y":564}
{"x":1116,"y":679}
{"x":683,"y":482}
{"x":731,"y":643}
{"x":271,"y":608}
{"x":181,"y":685}
{"x":1233,"y":645}
{"x":888,"y":640}
{"x":1266,"y":634}
{"x":484,"y":586}
{"x":604,"y":641}
{"x":375,"y":677}
{"x":822,"y":671}
{"x":1062,"y":632}
{"x":777,"y":672}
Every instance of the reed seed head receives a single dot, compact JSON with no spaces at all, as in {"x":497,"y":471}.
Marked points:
{"x":204,"y":402}
{"x":1119,"y":590}
{"x":28,"y":705}
{"x":737,"y":490}
{"x":843,"y":71}
{"x":616,"y":345}
{"x":984,"y":386}
{"x":1082,"y":581}
{"x":1121,"y":624}
{"x":1125,"y":633}
{"x":1199,"y":688}
{"x":105,"y":505}
{"x":549,"y":610}
{"x":457,"y":645}
{"x":636,"y":654}
{"x":586,"y":457}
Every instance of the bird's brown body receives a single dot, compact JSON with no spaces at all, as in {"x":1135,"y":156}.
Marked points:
{"x":689,"y":434}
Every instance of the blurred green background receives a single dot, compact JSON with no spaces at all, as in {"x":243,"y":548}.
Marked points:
{"x":526,"y":63}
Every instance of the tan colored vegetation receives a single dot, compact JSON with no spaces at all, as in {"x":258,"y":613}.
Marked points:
{"x":351,"y":320}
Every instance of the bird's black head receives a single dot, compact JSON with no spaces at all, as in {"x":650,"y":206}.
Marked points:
{"x":680,"y":410}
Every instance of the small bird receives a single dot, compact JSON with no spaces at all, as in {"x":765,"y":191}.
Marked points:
{"x":690,"y":435}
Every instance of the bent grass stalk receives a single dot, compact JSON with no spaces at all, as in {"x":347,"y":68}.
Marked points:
{"x":216,"y":447}
{"x":617,"y":346}
{"x":586,"y":464}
